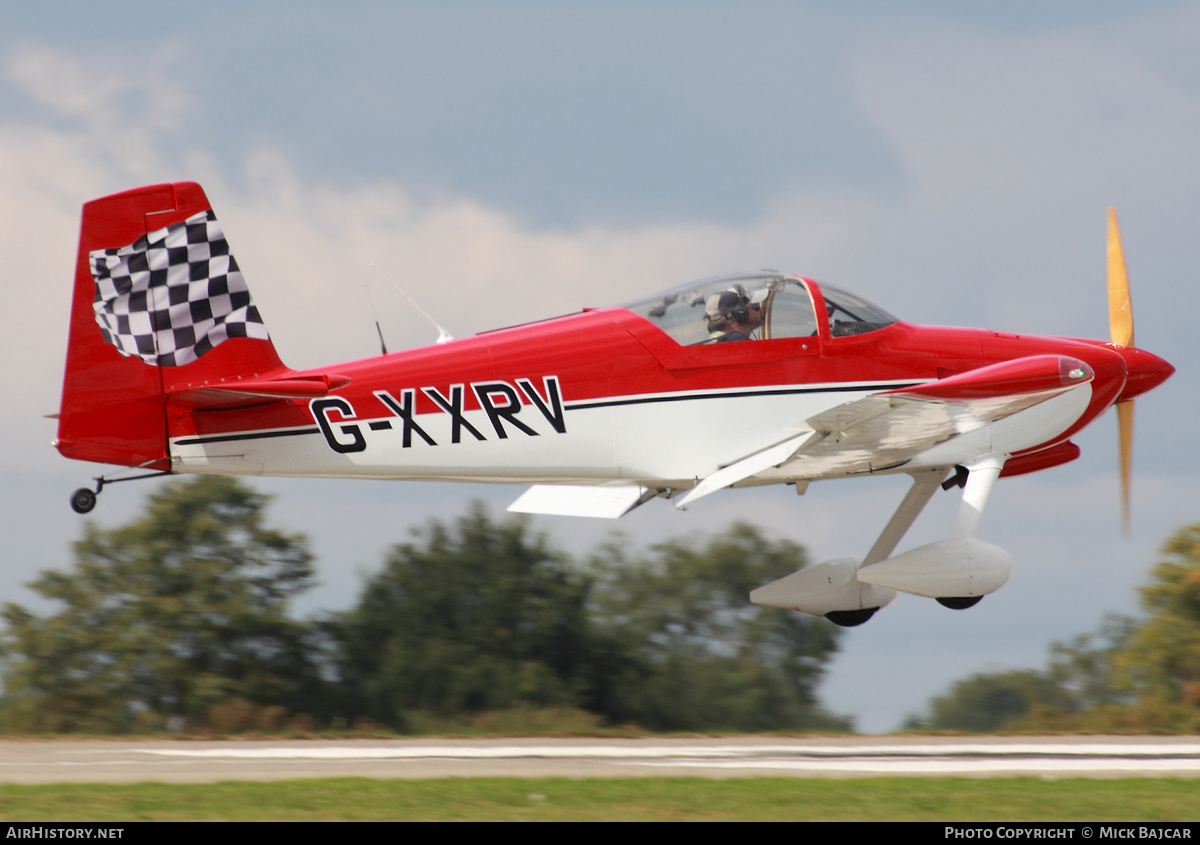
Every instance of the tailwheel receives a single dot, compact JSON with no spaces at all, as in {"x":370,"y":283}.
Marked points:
{"x":83,"y":500}
{"x":958,"y":602}
{"x":850,"y":618}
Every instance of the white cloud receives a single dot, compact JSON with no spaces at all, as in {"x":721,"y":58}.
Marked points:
{"x":105,"y":94}
{"x":307,"y":250}
{"x":1014,"y":144}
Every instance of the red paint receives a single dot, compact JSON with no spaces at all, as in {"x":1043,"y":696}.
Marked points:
{"x":1032,"y":374}
{"x":1039,"y":459}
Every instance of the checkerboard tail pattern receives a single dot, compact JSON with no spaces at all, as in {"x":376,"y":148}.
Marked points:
{"x":174,"y":294}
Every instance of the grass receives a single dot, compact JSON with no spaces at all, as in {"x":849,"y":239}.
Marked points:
{"x":630,"y":799}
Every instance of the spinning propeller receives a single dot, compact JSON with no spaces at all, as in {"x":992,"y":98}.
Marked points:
{"x":1120,"y":326}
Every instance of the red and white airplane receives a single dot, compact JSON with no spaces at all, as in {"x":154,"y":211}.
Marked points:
{"x":727,"y":382}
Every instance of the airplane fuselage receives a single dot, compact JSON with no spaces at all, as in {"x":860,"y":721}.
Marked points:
{"x":604,"y":395}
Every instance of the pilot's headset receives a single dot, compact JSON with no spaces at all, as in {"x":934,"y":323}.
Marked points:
{"x":735,"y":305}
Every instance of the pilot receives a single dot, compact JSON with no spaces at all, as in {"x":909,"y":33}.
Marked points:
{"x":732,"y":315}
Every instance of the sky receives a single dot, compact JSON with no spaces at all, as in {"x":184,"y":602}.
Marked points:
{"x":506,"y":162}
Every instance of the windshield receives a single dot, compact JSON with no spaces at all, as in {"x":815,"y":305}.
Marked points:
{"x":850,"y":314}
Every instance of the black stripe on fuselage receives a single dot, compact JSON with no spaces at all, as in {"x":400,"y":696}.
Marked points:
{"x":737,"y":394}
{"x":256,"y":435}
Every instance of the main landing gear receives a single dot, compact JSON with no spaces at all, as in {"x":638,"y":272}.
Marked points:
{"x":957,"y":572}
{"x":850,"y":618}
{"x":854,"y":618}
{"x":83,"y":500}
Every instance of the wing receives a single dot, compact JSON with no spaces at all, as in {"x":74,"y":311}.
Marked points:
{"x":886,"y":430}
{"x":878,"y":432}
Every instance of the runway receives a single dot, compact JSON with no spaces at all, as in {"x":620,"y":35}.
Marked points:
{"x":55,"y":761}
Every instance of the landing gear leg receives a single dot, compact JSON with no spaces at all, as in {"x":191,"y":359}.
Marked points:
{"x":925,"y":482}
{"x":977,"y":484}
{"x":957,"y":572}
{"x":981,"y":478}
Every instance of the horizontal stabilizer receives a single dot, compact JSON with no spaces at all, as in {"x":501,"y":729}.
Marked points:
{"x":570,"y":500}
{"x":293,"y":387}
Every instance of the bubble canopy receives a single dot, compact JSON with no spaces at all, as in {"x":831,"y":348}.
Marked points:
{"x":757,"y":307}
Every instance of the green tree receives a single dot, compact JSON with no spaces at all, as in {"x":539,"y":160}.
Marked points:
{"x":476,"y":616}
{"x":483,"y":615}
{"x":1085,"y":666}
{"x":992,"y":701}
{"x":181,"y":609}
{"x":686,"y":650}
{"x":1133,"y":675}
{"x":1160,"y":664}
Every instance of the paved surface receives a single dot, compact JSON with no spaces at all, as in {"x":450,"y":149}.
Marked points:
{"x":55,"y":761}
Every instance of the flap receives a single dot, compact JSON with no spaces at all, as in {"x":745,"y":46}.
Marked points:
{"x":605,"y":502}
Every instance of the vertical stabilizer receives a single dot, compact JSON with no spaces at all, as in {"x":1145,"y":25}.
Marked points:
{"x":159,"y":306}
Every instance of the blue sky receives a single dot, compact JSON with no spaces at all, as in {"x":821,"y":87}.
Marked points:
{"x":505,"y":162}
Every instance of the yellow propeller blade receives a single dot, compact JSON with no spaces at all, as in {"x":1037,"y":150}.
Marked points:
{"x":1125,"y":432}
{"x":1120,"y":308}
{"x":1120,"y":327}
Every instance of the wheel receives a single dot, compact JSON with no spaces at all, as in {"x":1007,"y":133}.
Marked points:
{"x":959,"y":602}
{"x":83,"y":500}
{"x":850,"y":618}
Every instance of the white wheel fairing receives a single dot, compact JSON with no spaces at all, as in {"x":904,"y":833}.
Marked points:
{"x":957,"y":568}
{"x":824,"y":588}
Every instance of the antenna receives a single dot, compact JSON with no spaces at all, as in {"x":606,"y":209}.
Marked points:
{"x":371,"y":302}
{"x":443,"y":335}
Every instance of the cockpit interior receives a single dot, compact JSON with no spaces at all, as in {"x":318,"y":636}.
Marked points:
{"x":757,"y":307}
